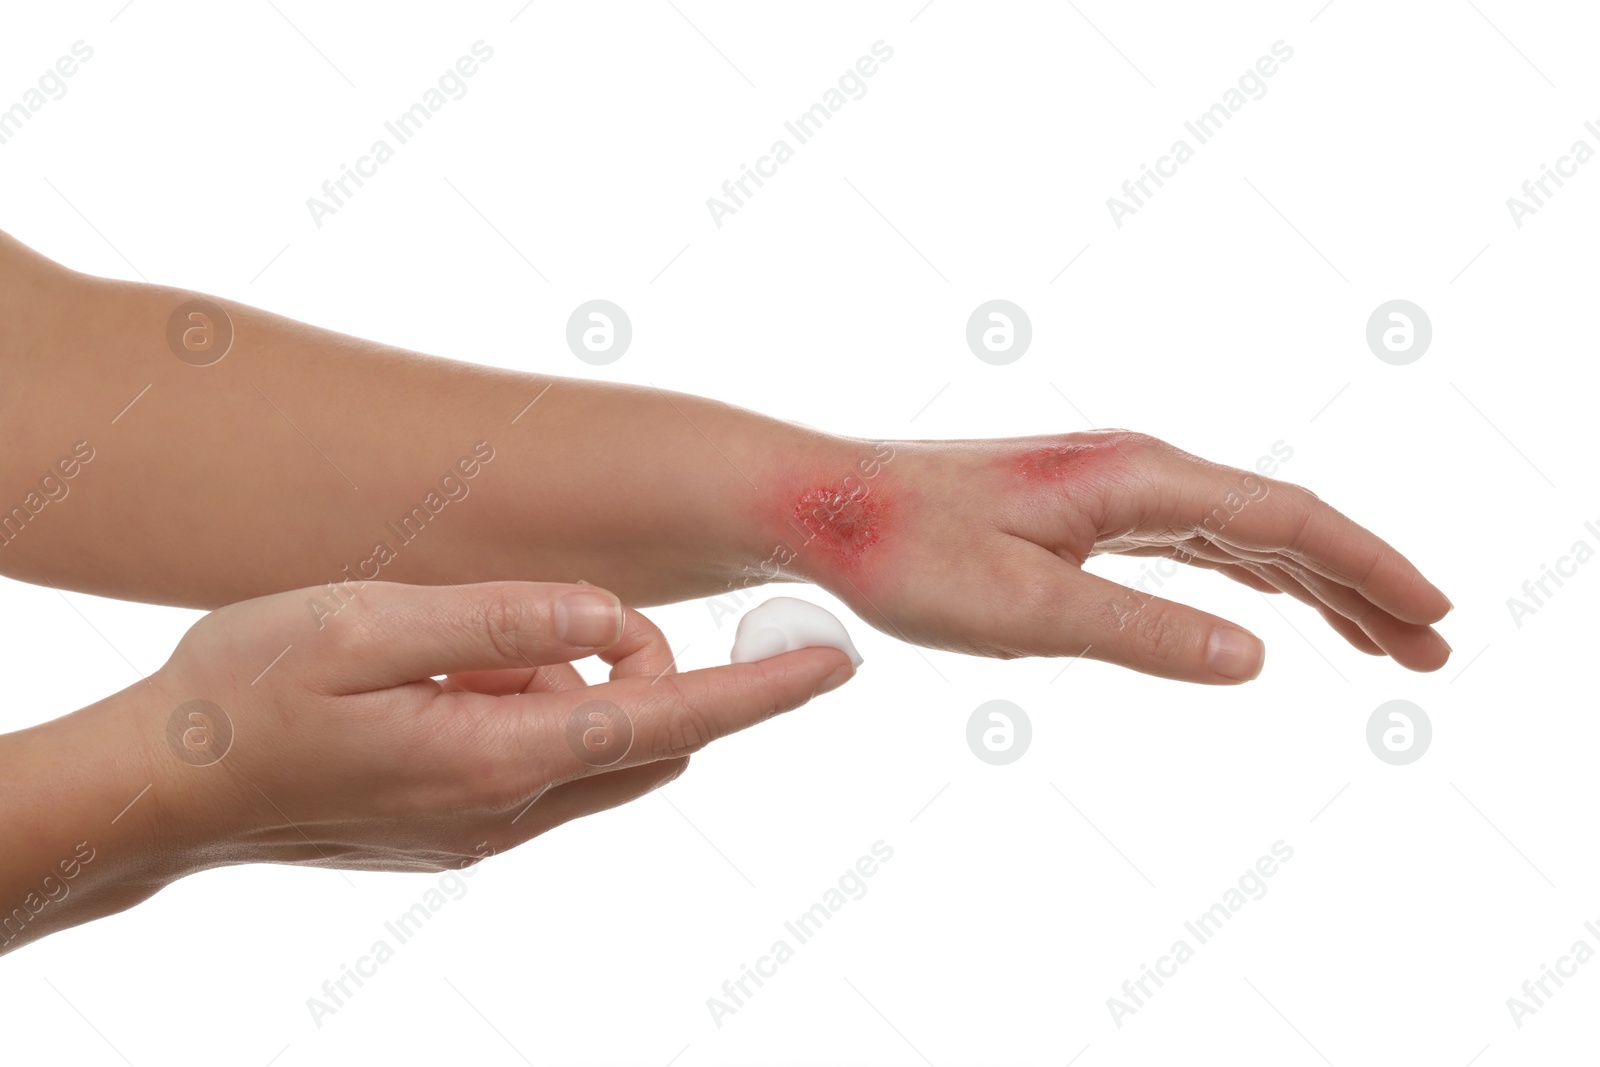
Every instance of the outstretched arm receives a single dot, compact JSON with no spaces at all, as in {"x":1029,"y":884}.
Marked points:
{"x":303,"y":457}
{"x":291,"y":459}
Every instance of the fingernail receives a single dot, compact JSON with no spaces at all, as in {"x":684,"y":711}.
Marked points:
{"x":1440,"y":638}
{"x":1235,"y":654}
{"x":833,"y":681}
{"x":589,"y":620}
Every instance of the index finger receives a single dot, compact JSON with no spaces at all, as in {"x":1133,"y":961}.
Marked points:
{"x":643,"y":650}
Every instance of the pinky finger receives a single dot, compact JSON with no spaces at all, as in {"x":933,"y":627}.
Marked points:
{"x":1235,"y":571}
{"x":1265,"y":578}
{"x":1346,"y":629}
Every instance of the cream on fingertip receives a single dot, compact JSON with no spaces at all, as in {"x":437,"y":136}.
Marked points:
{"x":784,"y":624}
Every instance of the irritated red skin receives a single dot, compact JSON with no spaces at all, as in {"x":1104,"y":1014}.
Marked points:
{"x":1053,"y":463}
{"x":830,"y":519}
{"x":828,"y":530}
{"x":840,"y":527}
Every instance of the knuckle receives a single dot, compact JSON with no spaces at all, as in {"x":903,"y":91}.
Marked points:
{"x":1296,"y":492}
{"x":1135,"y":443}
{"x":354,"y":631}
{"x":1159,"y":638}
{"x":505,"y":619}
{"x":688,"y":727}
{"x":1302,"y":531}
{"x":1362,"y":583}
{"x":1135,"y":439}
{"x":689,"y":730}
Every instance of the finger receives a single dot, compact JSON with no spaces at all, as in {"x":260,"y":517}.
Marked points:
{"x":606,"y":787}
{"x":1240,"y":574}
{"x":1260,"y":513}
{"x":642,"y":651}
{"x":1059,"y":610}
{"x":550,"y":678}
{"x":1328,"y":592}
{"x":597,"y":793}
{"x":1355,"y":636}
{"x":636,"y":720}
{"x":1157,"y":636}
{"x":1263,"y":578}
{"x":395,"y":634}
{"x":1418,"y":648}
{"x":1283,"y":582}
{"x":1266,"y":576}
{"x":1197,"y":552}
{"x":1293,"y":522}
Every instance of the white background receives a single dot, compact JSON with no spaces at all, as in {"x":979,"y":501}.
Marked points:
{"x":1226,"y":315}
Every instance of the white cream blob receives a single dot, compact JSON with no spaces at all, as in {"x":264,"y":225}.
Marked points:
{"x":784,"y":624}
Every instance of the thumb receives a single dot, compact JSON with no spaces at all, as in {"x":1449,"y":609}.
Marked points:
{"x":1154,"y":636}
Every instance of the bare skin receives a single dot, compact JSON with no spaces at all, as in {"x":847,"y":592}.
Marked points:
{"x":347,"y":754}
{"x":268,"y":470}
{"x":288,"y":463}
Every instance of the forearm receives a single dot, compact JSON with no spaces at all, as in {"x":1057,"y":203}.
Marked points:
{"x":83,"y":831}
{"x":305,"y":457}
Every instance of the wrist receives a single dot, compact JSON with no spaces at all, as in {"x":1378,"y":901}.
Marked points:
{"x":825,"y":513}
{"x":87,"y":835}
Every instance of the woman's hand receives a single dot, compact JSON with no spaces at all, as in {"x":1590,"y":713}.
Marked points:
{"x":346,"y":752}
{"x":269,"y":738}
{"x":978,"y":546}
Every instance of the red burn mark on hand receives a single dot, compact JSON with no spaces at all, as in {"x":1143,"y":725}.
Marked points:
{"x":843,"y":523}
{"x":1054,"y":461}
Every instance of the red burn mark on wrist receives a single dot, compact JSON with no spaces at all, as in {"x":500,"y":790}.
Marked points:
{"x":844,"y":524}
